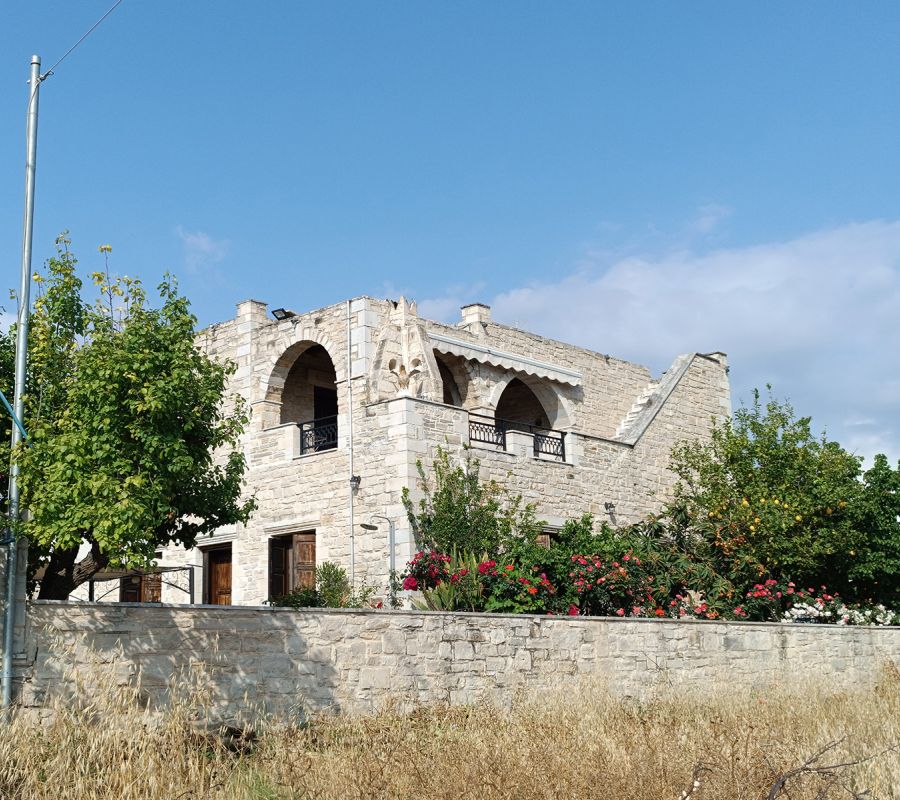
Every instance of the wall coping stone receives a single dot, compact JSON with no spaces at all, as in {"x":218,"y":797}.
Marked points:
{"x":200,"y":607}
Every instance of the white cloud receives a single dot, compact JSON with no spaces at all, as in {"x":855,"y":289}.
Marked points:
{"x":816,"y":316}
{"x":709,"y":216}
{"x":200,"y":249}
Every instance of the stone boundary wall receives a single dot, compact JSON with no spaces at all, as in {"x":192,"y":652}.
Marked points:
{"x":281,"y":661}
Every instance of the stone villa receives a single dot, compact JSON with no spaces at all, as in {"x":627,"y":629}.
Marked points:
{"x":345,"y":399}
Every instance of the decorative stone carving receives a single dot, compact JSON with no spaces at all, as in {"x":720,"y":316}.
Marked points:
{"x":404,"y":365}
{"x":406,"y":377}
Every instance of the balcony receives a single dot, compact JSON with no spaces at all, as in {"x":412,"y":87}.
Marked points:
{"x":317,"y":435}
{"x":545,"y":442}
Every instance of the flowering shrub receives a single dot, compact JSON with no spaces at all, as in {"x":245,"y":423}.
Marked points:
{"x":513,"y":590}
{"x":600,"y":586}
{"x":825,"y":608}
{"x":876,"y":615}
{"x":427,"y":570}
{"x":691,"y":605}
{"x":617,"y":588}
{"x":767,"y":601}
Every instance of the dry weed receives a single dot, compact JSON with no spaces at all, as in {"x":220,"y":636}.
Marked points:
{"x":803,"y":745}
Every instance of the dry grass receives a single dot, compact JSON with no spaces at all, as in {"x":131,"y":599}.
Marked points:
{"x":578,"y":745}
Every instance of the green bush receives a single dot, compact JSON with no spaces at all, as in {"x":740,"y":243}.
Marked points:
{"x":332,"y":590}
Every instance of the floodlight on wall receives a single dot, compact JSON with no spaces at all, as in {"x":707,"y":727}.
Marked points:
{"x":355,"y":481}
{"x":610,"y":507}
{"x":282,"y":313}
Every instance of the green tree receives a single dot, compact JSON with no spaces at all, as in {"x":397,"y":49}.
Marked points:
{"x":875,"y":565}
{"x":460,"y":512}
{"x":770,"y":498}
{"x":131,"y":447}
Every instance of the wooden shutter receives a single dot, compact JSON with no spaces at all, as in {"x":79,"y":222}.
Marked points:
{"x":279,"y":556}
{"x":304,"y":546}
{"x":151,"y":588}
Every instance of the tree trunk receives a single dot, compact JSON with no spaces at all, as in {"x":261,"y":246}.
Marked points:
{"x":63,"y":575}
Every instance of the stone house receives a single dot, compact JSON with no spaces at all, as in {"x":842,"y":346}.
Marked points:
{"x":344,"y":400}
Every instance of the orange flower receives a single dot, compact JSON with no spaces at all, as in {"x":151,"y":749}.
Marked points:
{"x":532,"y":590}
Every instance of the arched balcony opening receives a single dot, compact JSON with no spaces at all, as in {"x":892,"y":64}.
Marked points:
{"x":520,"y":405}
{"x":309,"y":399}
{"x":453,"y":378}
{"x":522,"y":420}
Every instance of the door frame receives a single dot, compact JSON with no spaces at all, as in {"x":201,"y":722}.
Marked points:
{"x":207,"y":582}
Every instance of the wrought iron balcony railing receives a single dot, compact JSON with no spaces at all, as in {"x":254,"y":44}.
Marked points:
{"x":545,"y":441}
{"x":318,"y":434}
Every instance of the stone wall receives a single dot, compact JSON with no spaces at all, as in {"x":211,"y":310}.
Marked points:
{"x":355,"y":661}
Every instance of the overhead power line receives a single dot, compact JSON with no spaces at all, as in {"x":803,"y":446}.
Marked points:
{"x":68,"y":52}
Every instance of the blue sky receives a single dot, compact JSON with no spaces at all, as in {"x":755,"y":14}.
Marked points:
{"x":640,"y":178}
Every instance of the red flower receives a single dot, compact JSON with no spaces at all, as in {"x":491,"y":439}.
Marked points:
{"x":509,"y":568}
{"x":573,"y":611}
{"x":532,"y":590}
{"x":410,"y":583}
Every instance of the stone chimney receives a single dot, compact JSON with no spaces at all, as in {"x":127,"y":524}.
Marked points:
{"x":475,"y":312}
{"x":719,"y":356}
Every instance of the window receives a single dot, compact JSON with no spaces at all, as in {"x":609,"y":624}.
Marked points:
{"x":547,"y":537}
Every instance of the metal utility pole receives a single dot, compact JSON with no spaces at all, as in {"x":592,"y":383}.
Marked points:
{"x":12,"y":552}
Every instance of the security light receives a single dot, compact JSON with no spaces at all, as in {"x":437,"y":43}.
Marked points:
{"x":282,"y":313}
{"x":355,"y":480}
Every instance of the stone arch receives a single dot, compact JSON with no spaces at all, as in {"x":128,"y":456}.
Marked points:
{"x":454,"y":379}
{"x":555,"y":407}
{"x":302,"y":384}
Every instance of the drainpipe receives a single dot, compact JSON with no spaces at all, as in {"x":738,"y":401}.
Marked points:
{"x":351,"y":482}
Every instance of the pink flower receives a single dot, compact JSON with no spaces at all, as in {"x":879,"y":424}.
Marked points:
{"x":620,"y":612}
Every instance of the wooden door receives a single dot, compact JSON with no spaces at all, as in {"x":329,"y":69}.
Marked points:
{"x":130,"y":589}
{"x":219,"y":576}
{"x":304,"y":558}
